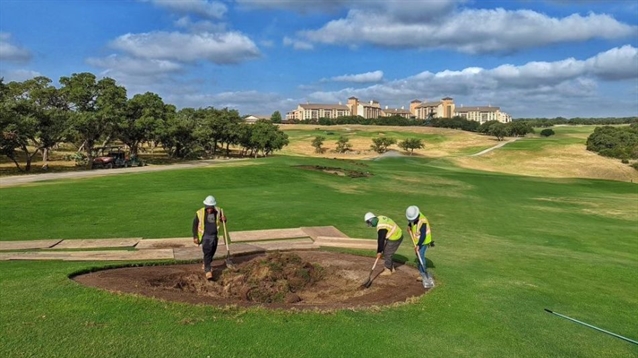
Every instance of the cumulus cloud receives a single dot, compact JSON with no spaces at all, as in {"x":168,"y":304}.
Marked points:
{"x":12,"y":52}
{"x":534,"y":88}
{"x":199,"y":26}
{"x":135,"y":66}
{"x":219,"y":48}
{"x":203,"y":8}
{"x":244,"y":101}
{"x":376,"y":76}
{"x":397,"y":8}
{"x":297,"y":44}
{"x":18,"y":75}
{"x":466,"y":30}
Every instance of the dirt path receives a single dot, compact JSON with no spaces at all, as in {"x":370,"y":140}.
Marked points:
{"x":16,"y":180}
{"x":340,"y":286}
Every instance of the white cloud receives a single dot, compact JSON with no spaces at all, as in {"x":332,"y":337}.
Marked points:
{"x":203,"y":8}
{"x":199,"y":26}
{"x":18,"y":75}
{"x":135,"y":66}
{"x":11,"y":52}
{"x":414,"y":10}
{"x":467,"y":30}
{"x":297,"y":44}
{"x":615,"y":64}
{"x":244,"y":101}
{"x":567,"y":87}
{"x":219,"y":48}
{"x":376,"y":76}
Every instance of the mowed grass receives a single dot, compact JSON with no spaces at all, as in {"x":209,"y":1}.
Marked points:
{"x":507,"y":247}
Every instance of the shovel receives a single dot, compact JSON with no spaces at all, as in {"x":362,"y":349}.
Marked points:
{"x":424,"y":278}
{"x":369,"y":281}
{"x":229,"y":263}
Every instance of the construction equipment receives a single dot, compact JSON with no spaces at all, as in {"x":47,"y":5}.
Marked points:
{"x":427,"y":281}
{"x":229,"y":263}
{"x":590,"y":326}
{"x":369,"y":281}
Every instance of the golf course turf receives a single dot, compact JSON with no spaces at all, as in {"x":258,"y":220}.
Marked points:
{"x":507,"y":247}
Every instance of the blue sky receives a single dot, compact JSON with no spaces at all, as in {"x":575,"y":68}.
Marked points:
{"x":543,"y":58}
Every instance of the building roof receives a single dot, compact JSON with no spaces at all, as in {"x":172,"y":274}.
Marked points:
{"x":476,"y":109}
{"x":429,"y":104}
{"x":448,"y":99}
{"x":396,"y":111}
{"x":324,"y":106}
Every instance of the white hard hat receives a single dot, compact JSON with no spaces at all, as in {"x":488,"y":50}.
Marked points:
{"x":210,"y":201}
{"x":412,"y":212}
{"x":368,"y":216}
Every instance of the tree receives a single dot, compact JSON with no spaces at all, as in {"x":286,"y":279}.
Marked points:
{"x":267,"y":137}
{"x":318,"y":143}
{"x":96,"y":108}
{"x":519,"y":128}
{"x":176,"y":134}
{"x":342,"y":145}
{"x":485,"y":127}
{"x":34,"y":120}
{"x":410,"y":144}
{"x":381,"y":144}
{"x":143,"y":115}
{"x":547,"y":132}
{"x":276,"y":117}
{"x":499,"y":130}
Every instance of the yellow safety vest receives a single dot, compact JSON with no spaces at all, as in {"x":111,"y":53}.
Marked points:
{"x":394,"y":232}
{"x":201,"y":216}
{"x":416,"y":230}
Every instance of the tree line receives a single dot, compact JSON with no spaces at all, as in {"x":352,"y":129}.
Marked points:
{"x":615,"y":142}
{"x":35,"y":117}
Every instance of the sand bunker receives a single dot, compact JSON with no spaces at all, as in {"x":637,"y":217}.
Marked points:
{"x":284,"y":280}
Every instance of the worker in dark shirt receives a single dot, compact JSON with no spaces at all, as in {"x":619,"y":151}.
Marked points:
{"x":389,"y":237}
{"x":205,"y":229}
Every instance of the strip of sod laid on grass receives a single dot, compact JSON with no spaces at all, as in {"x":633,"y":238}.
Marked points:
{"x":507,"y":247}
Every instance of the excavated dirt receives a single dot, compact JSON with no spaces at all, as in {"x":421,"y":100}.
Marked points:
{"x":282,"y":280}
{"x":337,"y":171}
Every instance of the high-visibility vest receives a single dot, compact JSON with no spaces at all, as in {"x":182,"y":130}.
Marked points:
{"x":201,"y":217}
{"x":394,"y":232}
{"x":416,"y":230}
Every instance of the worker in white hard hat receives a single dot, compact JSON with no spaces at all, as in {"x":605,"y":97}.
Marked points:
{"x":205,"y":229}
{"x":421,"y":233}
{"x":389,"y":237}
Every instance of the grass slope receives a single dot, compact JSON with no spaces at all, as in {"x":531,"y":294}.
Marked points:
{"x":507,"y":247}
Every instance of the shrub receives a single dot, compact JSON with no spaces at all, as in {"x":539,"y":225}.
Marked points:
{"x":547,"y":132}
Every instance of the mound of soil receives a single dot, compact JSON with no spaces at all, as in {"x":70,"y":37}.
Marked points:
{"x":299,"y":280}
{"x":337,"y":171}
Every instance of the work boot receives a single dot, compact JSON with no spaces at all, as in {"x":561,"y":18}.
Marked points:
{"x":419,"y":278}
{"x":386,"y":272}
{"x":209,"y":275}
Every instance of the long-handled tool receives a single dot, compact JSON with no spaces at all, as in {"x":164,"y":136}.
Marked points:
{"x":369,"y":281}
{"x":229,"y":263}
{"x":594,"y":327}
{"x":427,"y":282}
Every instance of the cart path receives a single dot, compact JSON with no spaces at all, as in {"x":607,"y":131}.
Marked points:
{"x":495,"y":147}
{"x":16,"y":180}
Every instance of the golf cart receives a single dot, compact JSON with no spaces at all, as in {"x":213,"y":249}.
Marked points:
{"x":110,"y":157}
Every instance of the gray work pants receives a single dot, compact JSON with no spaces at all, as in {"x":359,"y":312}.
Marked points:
{"x":391,"y":247}
{"x":209,"y":246}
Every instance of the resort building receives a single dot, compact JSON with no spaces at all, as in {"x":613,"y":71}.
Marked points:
{"x":483,"y":114}
{"x":316,"y":111}
{"x":427,"y":110}
{"x":445,"y":108}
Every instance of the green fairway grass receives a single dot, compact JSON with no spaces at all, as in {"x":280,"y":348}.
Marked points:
{"x":506,"y":248}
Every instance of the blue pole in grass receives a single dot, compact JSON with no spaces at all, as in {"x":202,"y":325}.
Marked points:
{"x":594,"y":327}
